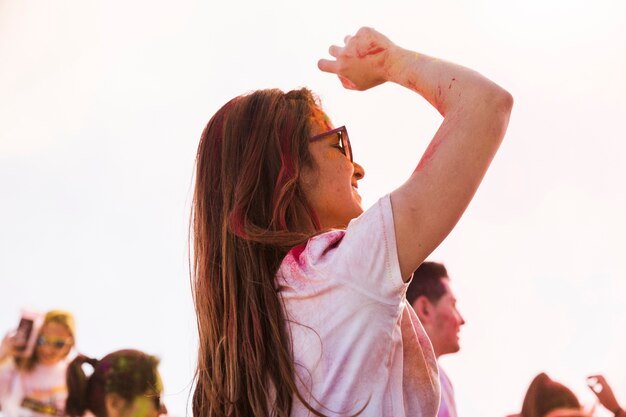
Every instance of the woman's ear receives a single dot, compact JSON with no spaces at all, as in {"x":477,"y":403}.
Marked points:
{"x":114,"y":404}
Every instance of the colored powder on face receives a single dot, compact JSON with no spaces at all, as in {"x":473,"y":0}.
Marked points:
{"x":142,"y":407}
{"x":332,"y":154}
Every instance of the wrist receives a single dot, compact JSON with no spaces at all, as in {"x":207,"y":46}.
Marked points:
{"x":619,"y":412}
{"x":399,"y":64}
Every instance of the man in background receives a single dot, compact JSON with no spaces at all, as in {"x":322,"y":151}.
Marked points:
{"x":432,"y":299}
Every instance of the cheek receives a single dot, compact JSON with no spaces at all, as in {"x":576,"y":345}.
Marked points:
{"x":332,"y":154}
{"x":63,"y":352}
{"x":447,"y":320}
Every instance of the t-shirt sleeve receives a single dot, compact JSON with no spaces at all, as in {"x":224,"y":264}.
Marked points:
{"x":366,"y":257}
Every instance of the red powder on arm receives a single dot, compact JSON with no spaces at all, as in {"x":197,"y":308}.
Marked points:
{"x":428,"y":154}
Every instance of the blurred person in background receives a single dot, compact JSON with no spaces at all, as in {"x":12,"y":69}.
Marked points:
{"x":431,"y":297}
{"x":34,"y":385}
{"x":548,"y":398}
{"x":125,"y":383}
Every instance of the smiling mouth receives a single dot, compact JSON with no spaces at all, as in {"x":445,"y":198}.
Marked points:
{"x":356,"y":192}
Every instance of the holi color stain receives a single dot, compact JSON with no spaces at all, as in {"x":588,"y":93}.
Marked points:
{"x":321,"y":118}
{"x":373,"y":49}
{"x":428,"y":154}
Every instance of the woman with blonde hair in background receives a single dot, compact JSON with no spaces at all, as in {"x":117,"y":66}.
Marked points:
{"x":34,"y":386}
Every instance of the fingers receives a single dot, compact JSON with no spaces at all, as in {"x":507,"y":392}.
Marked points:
{"x":596,"y":379}
{"x":347,"y":83}
{"x":596,"y":383}
{"x":347,"y":39}
{"x":327,"y":65}
{"x":335,"y":50}
{"x":332,"y":67}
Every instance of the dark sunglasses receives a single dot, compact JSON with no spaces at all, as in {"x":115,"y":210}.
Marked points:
{"x":55,"y":343}
{"x":344,"y":140}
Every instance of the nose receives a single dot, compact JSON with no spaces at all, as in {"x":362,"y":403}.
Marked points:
{"x":359,"y":172}
{"x":461,"y":319}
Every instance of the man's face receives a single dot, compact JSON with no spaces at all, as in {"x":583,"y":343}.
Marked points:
{"x":444,"y":323}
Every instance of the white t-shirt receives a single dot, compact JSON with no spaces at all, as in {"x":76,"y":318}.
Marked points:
{"x":38,"y":393}
{"x":355,"y":339}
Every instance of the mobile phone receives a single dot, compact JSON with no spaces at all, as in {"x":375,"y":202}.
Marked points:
{"x":25,"y":335}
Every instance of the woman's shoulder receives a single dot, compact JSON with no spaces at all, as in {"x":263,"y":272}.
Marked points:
{"x":361,"y":236}
{"x":312,"y":251}
{"x":365,"y":247}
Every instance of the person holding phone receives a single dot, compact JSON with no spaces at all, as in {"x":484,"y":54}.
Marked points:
{"x":34,"y":386}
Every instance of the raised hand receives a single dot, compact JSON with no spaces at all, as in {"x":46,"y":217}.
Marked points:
{"x":603,"y":391}
{"x":363,"y":62}
{"x":7,"y":346}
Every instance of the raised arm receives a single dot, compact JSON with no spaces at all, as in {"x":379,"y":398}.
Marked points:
{"x":476,"y":114}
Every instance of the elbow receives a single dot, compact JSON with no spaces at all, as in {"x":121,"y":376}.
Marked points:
{"x":506,"y":101}
{"x":496,"y":110}
{"x":502,"y":101}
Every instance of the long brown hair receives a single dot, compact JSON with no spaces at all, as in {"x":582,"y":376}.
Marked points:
{"x":248,"y":211}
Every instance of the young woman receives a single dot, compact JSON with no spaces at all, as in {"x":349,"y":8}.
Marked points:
{"x":35,"y":386}
{"x":300,"y":296}
{"x":125,"y":383}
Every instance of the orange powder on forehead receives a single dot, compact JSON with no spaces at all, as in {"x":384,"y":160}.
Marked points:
{"x":321,"y":119}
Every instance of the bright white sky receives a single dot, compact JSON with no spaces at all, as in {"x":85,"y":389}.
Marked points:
{"x":102,"y":105}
